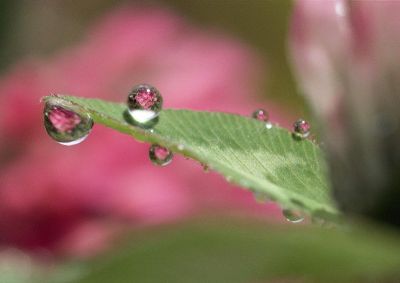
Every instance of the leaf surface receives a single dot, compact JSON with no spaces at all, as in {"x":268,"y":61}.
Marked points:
{"x":269,"y":162}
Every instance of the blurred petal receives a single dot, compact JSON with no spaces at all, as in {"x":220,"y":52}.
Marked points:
{"x":346,"y":57}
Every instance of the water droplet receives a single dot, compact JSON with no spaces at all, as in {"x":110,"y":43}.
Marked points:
{"x":301,"y":129}
{"x":261,"y":197}
{"x":292,"y":216}
{"x":65,"y":123}
{"x":144,"y":106}
{"x":181,"y":147}
{"x":160,"y":155}
{"x":261,"y":115}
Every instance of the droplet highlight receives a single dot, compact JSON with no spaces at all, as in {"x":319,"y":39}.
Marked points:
{"x":301,"y":129}
{"x":160,"y":155}
{"x":65,"y":123}
{"x":144,"y":106}
{"x":291,"y":216}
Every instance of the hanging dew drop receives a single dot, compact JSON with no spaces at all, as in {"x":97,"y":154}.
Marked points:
{"x":292,"y":216}
{"x":301,"y":129}
{"x":159,"y":155}
{"x":144,"y":106}
{"x":65,"y":123}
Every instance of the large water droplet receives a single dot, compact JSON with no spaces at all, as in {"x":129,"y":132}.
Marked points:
{"x":292,"y":216}
{"x":66,"y":123}
{"x":160,"y":155}
{"x":261,"y":115}
{"x":301,"y":129}
{"x":144,"y":105}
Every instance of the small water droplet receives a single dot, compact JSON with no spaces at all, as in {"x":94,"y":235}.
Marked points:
{"x":292,"y":216}
{"x":160,"y":155}
{"x":144,"y":106}
{"x":65,"y":123}
{"x":261,"y":197}
{"x":181,"y":147}
{"x":301,"y":129}
{"x":261,"y":115}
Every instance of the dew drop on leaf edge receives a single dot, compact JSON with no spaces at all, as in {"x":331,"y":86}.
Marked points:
{"x":160,"y":155}
{"x":144,"y":105}
{"x":66,"y":124}
{"x":263,"y":116}
{"x":301,"y":129}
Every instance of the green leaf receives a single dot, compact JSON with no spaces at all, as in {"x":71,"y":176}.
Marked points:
{"x":237,"y":252}
{"x":267,"y":161}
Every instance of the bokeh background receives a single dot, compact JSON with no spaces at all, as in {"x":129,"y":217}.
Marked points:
{"x":61,"y":208}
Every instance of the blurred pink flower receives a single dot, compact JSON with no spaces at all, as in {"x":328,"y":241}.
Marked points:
{"x":72,"y":200}
{"x":346,"y":57}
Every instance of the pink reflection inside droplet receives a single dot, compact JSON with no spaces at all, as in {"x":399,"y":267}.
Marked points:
{"x":146,"y":98}
{"x":262,"y":115}
{"x":305,"y":127}
{"x":161,"y":153}
{"x":63,"y":120}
